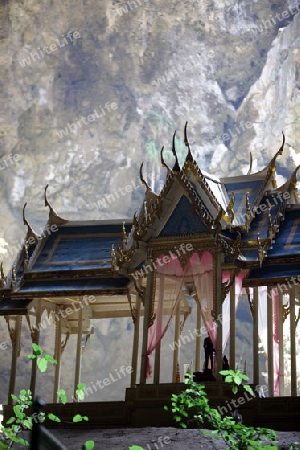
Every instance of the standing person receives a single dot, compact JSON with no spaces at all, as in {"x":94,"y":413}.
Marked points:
{"x":225,"y":363}
{"x":225,"y":366}
{"x":209,"y":352}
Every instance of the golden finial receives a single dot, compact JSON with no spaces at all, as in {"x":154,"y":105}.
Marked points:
{"x":248,"y":212}
{"x":54,"y":218}
{"x":163,"y":163}
{"x":261,"y":253}
{"x":250,"y":166}
{"x":189,"y":156}
{"x":280,"y":151}
{"x":293,"y":177}
{"x":142,"y":179}
{"x":230,"y":206}
{"x":176,"y":167}
{"x":124,"y":235}
{"x":30,"y":232}
{"x":237,"y":246}
{"x":113,"y":259}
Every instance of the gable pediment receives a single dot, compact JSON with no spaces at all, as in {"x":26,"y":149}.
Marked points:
{"x":183,"y":220}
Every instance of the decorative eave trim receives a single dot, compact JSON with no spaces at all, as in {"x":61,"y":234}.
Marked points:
{"x":54,"y":218}
{"x":271,"y":168}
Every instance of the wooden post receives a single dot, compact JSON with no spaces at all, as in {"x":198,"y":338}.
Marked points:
{"x":218,"y":300}
{"x":255,"y":337}
{"x":15,"y":336}
{"x":293,"y":343}
{"x":136,"y":336}
{"x":36,"y":340}
{"x":280,"y":336}
{"x":147,"y":312}
{"x":57,"y":356}
{"x":270,"y":343}
{"x":78,"y":353}
{"x":176,"y":340}
{"x":158,"y":347}
{"x":232,"y":327}
{"x":198,"y":340}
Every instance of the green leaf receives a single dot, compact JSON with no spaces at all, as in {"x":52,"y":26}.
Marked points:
{"x":42,"y":364}
{"x":77,"y":418}
{"x":50,"y":359}
{"x":237,"y":380}
{"x":135,"y":447}
{"x":89,"y":445}
{"x":53,"y":417}
{"x":80,"y":395}
{"x":248,"y":389}
{"x":37,"y":349}
{"x":81,"y":386}
{"x":11,"y":420}
{"x":61,"y":393}
{"x":229,"y":379}
{"x":31,"y":356}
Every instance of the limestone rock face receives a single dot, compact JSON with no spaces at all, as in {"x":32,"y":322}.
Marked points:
{"x":91,"y":89}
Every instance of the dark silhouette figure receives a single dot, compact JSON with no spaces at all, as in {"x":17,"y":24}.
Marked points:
{"x":225,"y":363}
{"x":209,"y":352}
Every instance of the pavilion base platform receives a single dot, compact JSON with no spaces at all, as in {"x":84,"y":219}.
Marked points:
{"x":144,"y":407}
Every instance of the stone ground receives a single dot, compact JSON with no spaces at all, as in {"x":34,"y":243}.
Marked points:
{"x":148,"y":438}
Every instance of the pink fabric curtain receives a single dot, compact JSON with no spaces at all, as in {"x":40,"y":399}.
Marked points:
{"x":202,"y":271}
{"x":170,"y":273}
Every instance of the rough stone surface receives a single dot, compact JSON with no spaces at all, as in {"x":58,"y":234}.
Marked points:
{"x":230,"y":68}
{"x":148,"y":438}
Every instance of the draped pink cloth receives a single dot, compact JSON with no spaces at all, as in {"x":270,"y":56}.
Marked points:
{"x":200,"y":269}
{"x":171,"y":270}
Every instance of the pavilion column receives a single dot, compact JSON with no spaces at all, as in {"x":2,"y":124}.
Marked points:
{"x":136,"y":336}
{"x":57,"y":356}
{"x":176,"y":340}
{"x":270,"y":343}
{"x":157,"y":348}
{"x":78,"y":353}
{"x":293,"y":343}
{"x":255,"y":337}
{"x":157,"y":364}
{"x":198,"y":340}
{"x":147,"y":318}
{"x":15,"y":335}
{"x":280,"y":337}
{"x":232,"y":327}
{"x":35,"y":335}
{"x":218,"y":303}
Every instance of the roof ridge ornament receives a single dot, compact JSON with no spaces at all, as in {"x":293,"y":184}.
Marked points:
{"x":189,"y":156}
{"x":230,"y":207}
{"x":176,"y":167}
{"x":30,"y":232}
{"x":142,"y":178}
{"x":272,"y":164}
{"x":250,"y":164}
{"x":163,"y":163}
{"x":54,"y":218}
